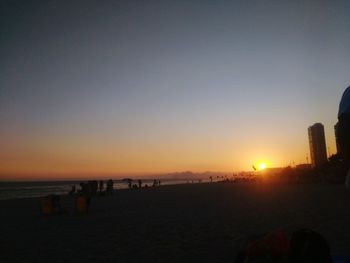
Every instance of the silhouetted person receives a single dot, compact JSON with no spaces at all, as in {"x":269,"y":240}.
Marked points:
{"x":71,"y":192}
{"x":109,"y":187}
{"x":129,"y":181}
{"x":159,"y":182}
{"x":93,"y":187}
{"x":101,"y":186}
{"x":86,"y":192}
{"x":155,"y":182}
{"x":343,"y":127}
{"x":56,"y":201}
{"x":82,"y":188}
{"x":140,"y":183}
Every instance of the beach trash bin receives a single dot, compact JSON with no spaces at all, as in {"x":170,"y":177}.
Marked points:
{"x":47,"y":206}
{"x":82,"y":204}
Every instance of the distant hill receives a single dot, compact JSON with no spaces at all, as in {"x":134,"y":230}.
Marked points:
{"x":188,"y":175}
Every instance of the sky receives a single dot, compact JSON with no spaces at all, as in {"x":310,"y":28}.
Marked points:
{"x":140,"y":87}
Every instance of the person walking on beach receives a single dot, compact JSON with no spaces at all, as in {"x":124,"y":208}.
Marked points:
{"x":110,"y":187}
{"x":100,"y":186}
{"x":155,"y":183}
{"x":343,"y":131}
{"x":72,"y":192}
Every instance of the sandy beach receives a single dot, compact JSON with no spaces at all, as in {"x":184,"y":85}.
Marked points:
{"x":178,"y":223}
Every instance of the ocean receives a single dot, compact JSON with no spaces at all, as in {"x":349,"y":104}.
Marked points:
{"x":13,"y":190}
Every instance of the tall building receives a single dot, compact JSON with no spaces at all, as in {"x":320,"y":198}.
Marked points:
{"x":317,"y":142}
{"x":337,"y":138}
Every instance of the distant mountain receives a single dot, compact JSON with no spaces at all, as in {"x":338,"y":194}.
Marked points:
{"x":188,"y":175}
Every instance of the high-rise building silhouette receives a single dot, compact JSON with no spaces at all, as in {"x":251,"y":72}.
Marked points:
{"x":317,"y":142}
{"x":337,"y":138}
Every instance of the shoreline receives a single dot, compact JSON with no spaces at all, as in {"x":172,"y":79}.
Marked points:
{"x":41,"y":189}
{"x":63,"y":188}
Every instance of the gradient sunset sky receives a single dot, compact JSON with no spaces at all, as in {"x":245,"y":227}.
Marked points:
{"x":116,"y":87}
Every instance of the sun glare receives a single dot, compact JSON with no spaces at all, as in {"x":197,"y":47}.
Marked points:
{"x":262,"y":166}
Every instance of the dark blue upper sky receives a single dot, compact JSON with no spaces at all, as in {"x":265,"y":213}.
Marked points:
{"x":164,"y":85}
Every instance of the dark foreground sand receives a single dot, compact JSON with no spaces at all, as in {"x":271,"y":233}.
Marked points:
{"x":182,"y":223}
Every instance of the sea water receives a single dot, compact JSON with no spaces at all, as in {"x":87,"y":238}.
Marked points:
{"x":12,"y":190}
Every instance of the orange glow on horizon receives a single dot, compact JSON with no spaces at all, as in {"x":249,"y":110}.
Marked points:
{"x":80,"y":157}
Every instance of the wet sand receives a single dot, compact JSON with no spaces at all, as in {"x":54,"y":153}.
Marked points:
{"x":178,"y":223}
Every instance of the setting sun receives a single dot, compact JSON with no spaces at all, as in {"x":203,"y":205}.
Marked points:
{"x":262,"y":166}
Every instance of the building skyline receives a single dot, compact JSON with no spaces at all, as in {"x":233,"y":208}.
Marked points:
{"x":317,"y":143}
{"x":336,"y":138}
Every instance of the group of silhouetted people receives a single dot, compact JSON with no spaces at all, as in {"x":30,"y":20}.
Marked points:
{"x":88,"y":190}
{"x":93,"y":187}
{"x":140,"y":184}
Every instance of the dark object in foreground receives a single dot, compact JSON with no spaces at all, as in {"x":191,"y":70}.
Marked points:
{"x":305,"y":246}
{"x":309,"y":246}
{"x":272,"y":247}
